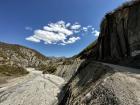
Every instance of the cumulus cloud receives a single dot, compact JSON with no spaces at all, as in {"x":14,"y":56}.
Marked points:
{"x":85,"y":29}
{"x":56,"y":33}
{"x":68,"y":25}
{"x":91,"y":29}
{"x":60,"y":33}
{"x":71,"y":40}
{"x":58,"y":27}
{"x":33,"y":39}
{"x":95,"y":32}
{"x":76,"y":26}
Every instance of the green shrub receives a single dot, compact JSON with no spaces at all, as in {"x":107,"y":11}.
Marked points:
{"x":67,"y":62}
{"x":49,"y":69}
{"x":8,"y":70}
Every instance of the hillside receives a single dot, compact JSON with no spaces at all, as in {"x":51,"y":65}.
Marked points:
{"x":98,"y":83}
{"x":18,"y":55}
{"x":88,"y":51}
{"x":15,"y":58}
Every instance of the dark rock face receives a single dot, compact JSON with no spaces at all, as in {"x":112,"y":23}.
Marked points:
{"x":120,"y":35}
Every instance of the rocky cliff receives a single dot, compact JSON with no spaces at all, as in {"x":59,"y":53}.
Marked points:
{"x":67,"y":70}
{"x":95,"y":83}
{"x":119,"y":37}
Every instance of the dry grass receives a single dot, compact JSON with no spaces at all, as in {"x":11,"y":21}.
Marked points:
{"x":7,"y":70}
{"x":47,"y":69}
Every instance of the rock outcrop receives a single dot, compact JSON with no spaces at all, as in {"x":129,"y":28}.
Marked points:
{"x":97,"y":84}
{"x":119,"y":42}
{"x":119,"y":37}
{"x":67,"y":70}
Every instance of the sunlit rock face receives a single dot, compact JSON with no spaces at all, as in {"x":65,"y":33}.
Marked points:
{"x":67,"y":71}
{"x":97,"y":84}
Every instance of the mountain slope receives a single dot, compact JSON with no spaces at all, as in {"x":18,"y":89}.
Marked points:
{"x":11,"y":54}
{"x":15,"y":58}
{"x":98,"y":84}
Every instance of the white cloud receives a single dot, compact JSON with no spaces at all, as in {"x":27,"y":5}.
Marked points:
{"x":85,"y":29}
{"x":71,"y":40}
{"x":76,"y":26}
{"x":89,"y":26}
{"x":49,"y":37}
{"x":91,"y":29}
{"x":68,"y":25}
{"x":56,"y":33}
{"x":58,"y":27}
{"x":60,"y":33}
{"x":96,"y":33}
{"x":28,"y":28}
{"x":33,"y":39}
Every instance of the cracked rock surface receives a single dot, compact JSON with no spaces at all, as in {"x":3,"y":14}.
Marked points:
{"x":33,"y":89}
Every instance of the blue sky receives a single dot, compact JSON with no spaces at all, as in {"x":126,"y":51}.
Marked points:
{"x":53,"y":27}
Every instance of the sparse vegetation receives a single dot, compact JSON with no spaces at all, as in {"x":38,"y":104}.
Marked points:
{"x":52,"y":66}
{"x":87,"y":51}
{"x":67,"y":62}
{"x":49,"y":69}
{"x":24,"y":56}
{"x":16,"y":48}
{"x":7,"y":70}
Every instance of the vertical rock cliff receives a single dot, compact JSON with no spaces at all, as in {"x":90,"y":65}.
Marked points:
{"x":119,"y":37}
